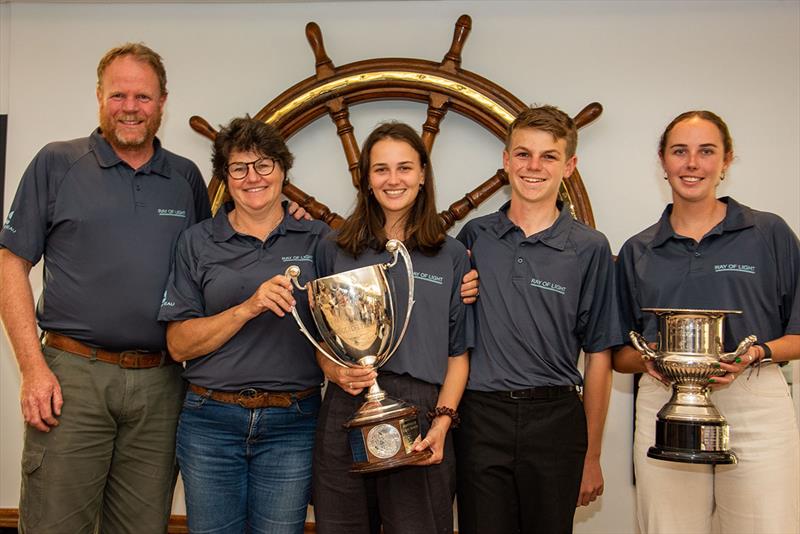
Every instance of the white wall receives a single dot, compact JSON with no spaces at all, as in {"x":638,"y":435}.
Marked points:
{"x":644,"y":61}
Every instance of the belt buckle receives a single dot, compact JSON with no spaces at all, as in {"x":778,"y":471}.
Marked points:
{"x":521,"y":394}
{"x":247,"y":398}
{"x":129,"y":359}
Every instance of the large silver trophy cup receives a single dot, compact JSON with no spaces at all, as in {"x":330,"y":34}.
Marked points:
{"x":355,"y":313}
{"x":689,"y":348}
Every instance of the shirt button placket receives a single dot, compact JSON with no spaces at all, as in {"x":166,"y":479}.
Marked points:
{"x":138,"y":197}
{"x":696,"y":258}
{"x":519,"y":268}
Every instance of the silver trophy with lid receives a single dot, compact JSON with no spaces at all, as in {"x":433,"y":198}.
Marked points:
{"x":689,"y":347}
{"x":356,"y":315}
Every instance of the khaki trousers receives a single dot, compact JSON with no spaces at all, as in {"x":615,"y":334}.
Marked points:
{"x":760,"y":494}
{"x":109,"y":466}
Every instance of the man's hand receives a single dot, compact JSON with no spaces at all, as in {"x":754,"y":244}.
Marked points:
{"x":40,"y":397}
{"x":469,"y":287}
{"x":296,"y":210}
{"x":591,"y":481}
{"x":40,"y":393}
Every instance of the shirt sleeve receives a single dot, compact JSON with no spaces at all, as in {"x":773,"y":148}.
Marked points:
{"x":466,"y":236}
{"x":628,"y":305}
{"x":598,"y":320}
{"x":325,"y":255}
{"x":183,"y":297}
{"x":461,"y":317}
{"x":30,"y":217}
{"x":202,"y":204}
{"x":787,"y":255}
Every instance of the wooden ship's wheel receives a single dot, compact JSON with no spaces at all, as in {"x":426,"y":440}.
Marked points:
{"x":442,"y":86}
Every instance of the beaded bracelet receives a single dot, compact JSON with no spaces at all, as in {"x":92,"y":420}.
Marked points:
{"x":444,"y":410}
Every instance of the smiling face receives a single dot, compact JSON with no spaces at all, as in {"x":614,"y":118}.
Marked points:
{"x":254,"y":193}
{"x":694,"y":159}
{"x":131,"y":104}
{"x":536,"y":163}
{"x":395,"y":177}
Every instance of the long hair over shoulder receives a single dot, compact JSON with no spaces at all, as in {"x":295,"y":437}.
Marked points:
{"x":364,"y":228}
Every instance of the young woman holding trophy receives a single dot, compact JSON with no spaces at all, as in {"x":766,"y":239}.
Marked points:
{"x":429,"y":368}
{"x":709,"y":253}
{"x":246,"y":431}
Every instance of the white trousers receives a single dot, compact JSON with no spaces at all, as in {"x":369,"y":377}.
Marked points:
{"x":759,"y":495}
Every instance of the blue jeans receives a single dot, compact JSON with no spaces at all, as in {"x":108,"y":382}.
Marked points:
{"x":246,"y":470}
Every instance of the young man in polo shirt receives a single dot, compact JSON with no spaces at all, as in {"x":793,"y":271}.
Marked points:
{"x":528,"y":449}
{"x":99,"y":394}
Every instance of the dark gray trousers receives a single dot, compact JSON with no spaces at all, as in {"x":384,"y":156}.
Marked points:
{"x":410,"y":499}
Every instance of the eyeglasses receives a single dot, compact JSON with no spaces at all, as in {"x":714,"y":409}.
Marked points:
{"x":238,"y":169}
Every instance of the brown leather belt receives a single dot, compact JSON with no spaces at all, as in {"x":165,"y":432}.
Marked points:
{"x":127,"y":359}
{"x":255,"y":398}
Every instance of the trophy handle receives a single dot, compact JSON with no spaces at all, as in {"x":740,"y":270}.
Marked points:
{"x":640,"y":344}
{"x":743,"y":347}
{"x":293,"y":273}
{"x":396,"y":248}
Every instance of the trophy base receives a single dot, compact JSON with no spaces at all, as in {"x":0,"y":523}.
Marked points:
{"x":374,"y":467}
{"x":692,"y":443}
{"x":385,"y":443}
{"x":692,"y":457}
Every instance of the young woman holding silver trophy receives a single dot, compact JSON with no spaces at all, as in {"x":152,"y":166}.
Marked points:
{"x":430,"y":367}
{"x":707,"y":253}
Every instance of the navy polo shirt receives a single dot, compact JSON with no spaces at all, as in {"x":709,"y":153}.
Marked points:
{"x":439,"y":324}
{"x":750,"y":262}
{"x":543,"y":299}
{"x":107,"y":233}
{"x":217,"y":268}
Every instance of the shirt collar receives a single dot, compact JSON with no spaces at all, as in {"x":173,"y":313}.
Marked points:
{"x":502,"y":224}
{"x":222,"y":230}
{"x":555,"y":236}
{"x":736,"y":218}
{"x":107,"y":157}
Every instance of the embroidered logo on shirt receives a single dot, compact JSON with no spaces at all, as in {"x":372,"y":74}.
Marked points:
{"x":548,"y":286}
{"x":432,"y":278}
{"x":292,"y":259}
{"x":737,"y":267}
{"x":7,"y":225}
{"x":171,"y":213}
{"x":166,"y":303}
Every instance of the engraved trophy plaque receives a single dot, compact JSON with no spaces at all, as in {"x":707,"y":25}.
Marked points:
{"x":355,"y":314}
{"x":689,"y":427}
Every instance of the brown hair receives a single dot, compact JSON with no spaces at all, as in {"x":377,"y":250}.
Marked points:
{"x":140,"y":52}
{"x":365,"y":226}
{"x":716,"y":120}
{"x":547,"y":119}
{"x":245,"y":134}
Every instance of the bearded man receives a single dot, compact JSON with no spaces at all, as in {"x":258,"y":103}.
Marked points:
{"x":99,"y":394}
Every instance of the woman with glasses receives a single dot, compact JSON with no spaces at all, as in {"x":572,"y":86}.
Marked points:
{"x":396,"y":201}
{"x":714,"y":253}
{"x":246,"y":431}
